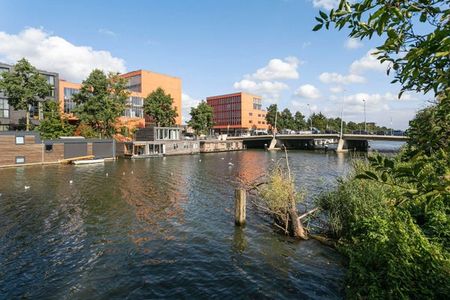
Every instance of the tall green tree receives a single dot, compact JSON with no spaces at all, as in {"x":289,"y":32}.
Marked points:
{"x":159,"y":106}
{"x":272,"y":110}
{"x":299,"y":121}
{"x":201,"y":118}
{"x":53,"y":126}
{"x":286,"y":120}
{"x":24,"y":87}
{"x":101,"y":101}
{"x":319,"y":121}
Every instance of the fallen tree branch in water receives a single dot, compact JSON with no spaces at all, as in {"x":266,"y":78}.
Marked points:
{"x":308,"y":213}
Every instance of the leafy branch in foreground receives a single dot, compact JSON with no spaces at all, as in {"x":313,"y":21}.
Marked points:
{"x":420,"y":58}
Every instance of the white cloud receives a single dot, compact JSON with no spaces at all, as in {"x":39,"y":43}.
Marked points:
{"x":336,"y":89}
{"x":307,"y":91}
{"x":353,"y":43}
{"x":326,"y":4}
{"x":269,"y":90}
{"x":54,"y":53}
{"x":107,"y":32}
{"x":277,"y":69}
{"x":368,"y":62}
{"x":374,"y":102}
{"x":187,"y":102}
{"x":327,"y":77}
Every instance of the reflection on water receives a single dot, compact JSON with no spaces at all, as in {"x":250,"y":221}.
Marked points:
{"x":160,"y":227}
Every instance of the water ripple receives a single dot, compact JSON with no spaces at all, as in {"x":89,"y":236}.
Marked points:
{"x":158,"y":228}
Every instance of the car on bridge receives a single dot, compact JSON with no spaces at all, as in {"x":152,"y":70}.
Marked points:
{"x":260,"y":132}
{"x":398,"y":133}
{"x":288,"y":131}
{"x":330,"y":131}
{"x":359,"y":132}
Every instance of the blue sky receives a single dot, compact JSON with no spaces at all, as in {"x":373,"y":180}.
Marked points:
{"x":265,"y":47}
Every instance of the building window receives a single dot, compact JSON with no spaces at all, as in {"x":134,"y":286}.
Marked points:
{"x":69,"y":104}
{"x":4,"y":127}
{"x":20,"y":159}
{"x":20,"y":140}
{"x":134,"y":107}
{"x":4,"y":108}
{"x":51,"y":81}
{"x":250,"y":114}
{"x":250,"y":121}
{"x":134,"y":83}
{"x":257,"y":103}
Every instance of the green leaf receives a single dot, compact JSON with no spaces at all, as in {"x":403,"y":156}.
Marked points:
{"x":384,"y":176}
{"x":369,"y":175}
{"x":323,"y":15}
{"x":317,"y":27}
{"x":423,"y":17}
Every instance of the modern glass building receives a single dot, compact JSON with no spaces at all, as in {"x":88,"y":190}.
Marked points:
{"x":11,"y":119}
{"x":237,"y":113}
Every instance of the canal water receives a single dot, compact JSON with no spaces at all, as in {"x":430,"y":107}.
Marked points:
{"x":159,"y":228}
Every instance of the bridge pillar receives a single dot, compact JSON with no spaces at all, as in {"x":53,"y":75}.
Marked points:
{"x":342,"y":146}
{"x":273,"y":144}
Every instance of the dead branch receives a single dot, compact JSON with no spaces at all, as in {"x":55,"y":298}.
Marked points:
{"x":308,"y":213}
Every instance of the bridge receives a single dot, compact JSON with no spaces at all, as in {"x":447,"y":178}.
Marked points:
{"x":307,"y":141}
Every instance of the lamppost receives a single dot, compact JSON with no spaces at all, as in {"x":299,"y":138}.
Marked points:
{"x":310,"y":117}
{"x":342,"y":115}
{"x":365,"y":126}
{"x":391,"y":125}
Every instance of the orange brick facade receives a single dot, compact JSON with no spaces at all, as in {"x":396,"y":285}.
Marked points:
{"x":140,"y":83}
{"x":237,"y":113}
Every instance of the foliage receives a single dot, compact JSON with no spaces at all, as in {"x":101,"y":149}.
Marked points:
{"x":201,"y":118}
{"x":100,"y":102}
{"x":430,"y":130}
{"x":24,"y":87}
{"x":299,"y":121}
{"x":420,"y":57}
{"x":394,"y":231}
{"x":86,"y":131}
{"x":159,"y":106}
{"x":53,"y":126}
{"x":277,"y":193}
{"x":286,"y":120}
{"x":271,"y":113}
{"x":390,"y":258}
{"x":398,"y":243}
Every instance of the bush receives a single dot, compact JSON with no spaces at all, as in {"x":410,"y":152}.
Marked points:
{"x":390,"y":258}
{"x":396,"y":242}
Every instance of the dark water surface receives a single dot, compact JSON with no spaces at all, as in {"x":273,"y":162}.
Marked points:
{"x":158,"y":228}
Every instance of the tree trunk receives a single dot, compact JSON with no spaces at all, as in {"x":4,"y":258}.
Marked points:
{"x":296,"y":224}
{"x":28,"y":120}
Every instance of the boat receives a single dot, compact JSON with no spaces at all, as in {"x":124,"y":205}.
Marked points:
{"x":88,"y":161}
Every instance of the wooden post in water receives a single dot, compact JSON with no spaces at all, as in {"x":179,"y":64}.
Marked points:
{"x":239,"y":203}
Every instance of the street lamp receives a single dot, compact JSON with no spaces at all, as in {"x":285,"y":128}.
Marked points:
{"x":391,"y":125}
{"x":310,"y":117}
{"x":342,"y":118}
{"x":365,"y":126}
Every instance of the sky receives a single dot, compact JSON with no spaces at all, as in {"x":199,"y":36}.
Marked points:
{"x":265,"y":47}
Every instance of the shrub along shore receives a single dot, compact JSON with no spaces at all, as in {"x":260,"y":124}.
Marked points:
{"x":390,"y":216}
